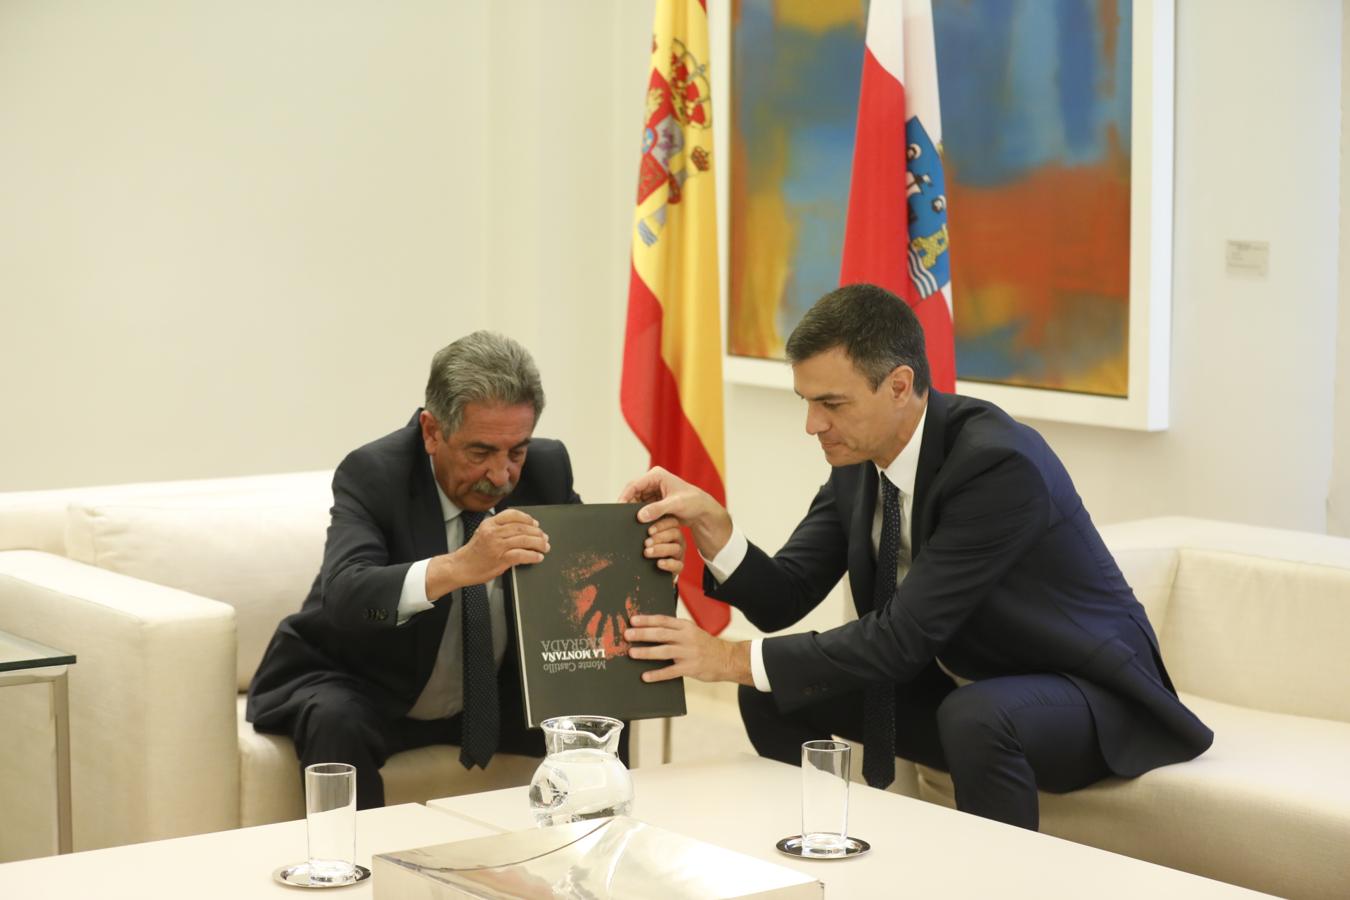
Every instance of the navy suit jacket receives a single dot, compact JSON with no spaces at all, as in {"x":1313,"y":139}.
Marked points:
{"x":386,"y":515}
{"x":1009,"y":576}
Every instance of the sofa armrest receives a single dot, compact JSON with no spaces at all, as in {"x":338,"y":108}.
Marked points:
{"x":154,"y":750}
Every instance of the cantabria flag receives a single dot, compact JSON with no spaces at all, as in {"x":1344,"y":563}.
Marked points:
{"x":896,"y":235}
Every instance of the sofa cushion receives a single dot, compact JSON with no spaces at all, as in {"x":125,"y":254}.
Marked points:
{"x":1247,"y":540}
{"x":36,"y":520}
{"x":1150,"y":571}
{"x":1267,"y":807}
{"x":1261,"y":632}
{"x":257,"y":552}
{"x":270,"y":787}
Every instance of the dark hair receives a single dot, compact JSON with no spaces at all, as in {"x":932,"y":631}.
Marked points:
{"x":876,"y":329}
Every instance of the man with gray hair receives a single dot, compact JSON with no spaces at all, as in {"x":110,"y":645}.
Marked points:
{"x":405,"y":638}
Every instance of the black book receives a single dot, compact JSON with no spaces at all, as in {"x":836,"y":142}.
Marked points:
{"x":572,"y":609}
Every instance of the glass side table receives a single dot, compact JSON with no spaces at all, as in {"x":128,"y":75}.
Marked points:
{"x":26,"y":662}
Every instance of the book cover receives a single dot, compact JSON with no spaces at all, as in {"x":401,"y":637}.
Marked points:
{"x":571,"y":611}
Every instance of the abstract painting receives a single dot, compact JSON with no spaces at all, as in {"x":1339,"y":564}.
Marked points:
{"x":1039,"y":112}
{"x":1036,"y":126}
{"x":796,"y":67}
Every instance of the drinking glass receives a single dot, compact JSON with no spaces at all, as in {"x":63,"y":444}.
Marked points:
{"x":825,"y":768}
{"x":330,"y":812}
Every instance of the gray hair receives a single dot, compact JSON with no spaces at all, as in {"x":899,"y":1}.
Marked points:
{"x":483,"y":367}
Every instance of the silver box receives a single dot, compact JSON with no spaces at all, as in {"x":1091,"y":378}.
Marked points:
{"x":604,"y":858}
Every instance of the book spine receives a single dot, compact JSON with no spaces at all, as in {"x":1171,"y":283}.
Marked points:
{"x":522,"y":660}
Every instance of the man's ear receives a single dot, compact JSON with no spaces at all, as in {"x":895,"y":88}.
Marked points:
{"x":901,"y":382}
{"x":431,"y":431}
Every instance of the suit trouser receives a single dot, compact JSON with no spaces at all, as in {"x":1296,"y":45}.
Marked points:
{"x":336,"y":722}
{"x":1001,"y":738}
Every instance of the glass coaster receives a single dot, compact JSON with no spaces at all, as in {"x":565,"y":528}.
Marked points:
{"x":298,"y":876}
{"x":792,"y":846}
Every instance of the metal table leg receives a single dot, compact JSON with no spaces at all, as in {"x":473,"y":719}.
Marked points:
{"x":56,"y":678}
{"x":61,"y":717}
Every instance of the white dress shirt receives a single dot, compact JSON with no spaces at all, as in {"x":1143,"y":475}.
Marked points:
{"x":901,"y":472}
{"x":443,"y":694}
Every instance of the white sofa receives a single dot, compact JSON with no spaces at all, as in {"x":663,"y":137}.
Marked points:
{"x":168,"y":593}
{"x":1253,"y":624}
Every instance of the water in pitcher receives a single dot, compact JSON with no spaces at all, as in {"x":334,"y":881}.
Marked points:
{"x":580,"y":784}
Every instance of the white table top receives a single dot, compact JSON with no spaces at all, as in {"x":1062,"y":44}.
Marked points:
{"x":228,"y":865}
{"x":918,"y":849}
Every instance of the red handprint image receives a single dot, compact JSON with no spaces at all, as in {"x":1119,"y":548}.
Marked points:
{"x":600,"y":597}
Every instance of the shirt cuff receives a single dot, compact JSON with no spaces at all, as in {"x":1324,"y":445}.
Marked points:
{"x":725,"y":563}
{"x":757,"y":665}
{"x":413,"y":598}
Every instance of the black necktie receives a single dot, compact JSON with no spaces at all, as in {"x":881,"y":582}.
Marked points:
{"x":481,"y":717}
{"x":879,"y":699}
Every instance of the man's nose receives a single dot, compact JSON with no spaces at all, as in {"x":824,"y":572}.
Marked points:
{"x":499,"y":472}
{"x":815,"y":423}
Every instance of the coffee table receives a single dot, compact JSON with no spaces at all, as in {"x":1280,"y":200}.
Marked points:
{"x":918,"y":849}
{"x":228,"y":865}
{"x":27,"y":662}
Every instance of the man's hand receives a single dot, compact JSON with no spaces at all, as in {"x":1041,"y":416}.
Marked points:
{"x":692,"y":651}
{"x":668,"y":495}
{"x":665,"y":544}
{"x":510,"y":538}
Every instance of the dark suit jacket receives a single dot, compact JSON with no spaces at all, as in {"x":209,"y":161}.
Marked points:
{"x":386,"y":515}
{"x":1009,"y":576}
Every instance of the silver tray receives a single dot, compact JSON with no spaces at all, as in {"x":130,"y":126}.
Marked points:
{"x":297,"y":875}
{"x":792,"y":846}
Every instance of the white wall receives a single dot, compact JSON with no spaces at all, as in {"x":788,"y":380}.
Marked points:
{"x":1253,"y":362}
{"x":1338,"y":501}
{"x":567,"y":83}
{"x":233,"y":234}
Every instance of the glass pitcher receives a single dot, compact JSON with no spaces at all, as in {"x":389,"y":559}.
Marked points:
{"x":582,"y":776}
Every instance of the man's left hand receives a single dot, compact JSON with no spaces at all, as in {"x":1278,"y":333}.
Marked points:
{"x":665,"y":544}
{"x":692,"y":651}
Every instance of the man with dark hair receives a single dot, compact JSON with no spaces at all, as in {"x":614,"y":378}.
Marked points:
{"x":405,"y":638}
{"x":996,"y":638}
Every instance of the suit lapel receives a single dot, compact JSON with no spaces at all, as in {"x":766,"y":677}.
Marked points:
{"x":862,"y":563}
{"x":931,"y":454}
{"x":426,"y":521}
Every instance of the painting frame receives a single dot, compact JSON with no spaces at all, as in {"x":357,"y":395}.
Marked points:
{"x":1145,"y":407}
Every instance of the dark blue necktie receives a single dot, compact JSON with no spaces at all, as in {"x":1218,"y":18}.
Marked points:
{"x":481,"y":723}
{"x":879,"y":699}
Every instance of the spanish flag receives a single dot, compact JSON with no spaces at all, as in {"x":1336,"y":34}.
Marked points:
{"x":672,"y":359}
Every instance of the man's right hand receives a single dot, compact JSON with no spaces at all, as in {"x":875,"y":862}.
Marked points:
{"x":668,"y":495}
{"x":510,"y":538}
